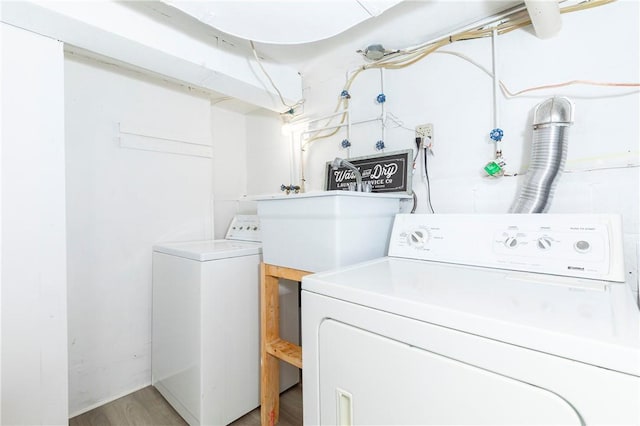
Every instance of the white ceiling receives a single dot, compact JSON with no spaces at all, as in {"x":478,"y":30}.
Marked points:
{"x":282,"y":21}
{"x":405,"y":24}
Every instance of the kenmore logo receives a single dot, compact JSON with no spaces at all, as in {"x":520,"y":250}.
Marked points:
{"x":575,"y":268}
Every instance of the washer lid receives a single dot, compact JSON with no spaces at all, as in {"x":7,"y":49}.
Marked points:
{"x":591,"y":321}
{"x":209,"y":249}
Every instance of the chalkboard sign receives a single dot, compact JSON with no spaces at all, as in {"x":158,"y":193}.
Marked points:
{"x":387,"y":173}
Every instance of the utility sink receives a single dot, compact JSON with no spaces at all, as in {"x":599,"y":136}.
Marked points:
{"x":318,"y":231}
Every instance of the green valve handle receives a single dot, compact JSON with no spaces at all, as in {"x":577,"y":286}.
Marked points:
{"x":492,"y":168}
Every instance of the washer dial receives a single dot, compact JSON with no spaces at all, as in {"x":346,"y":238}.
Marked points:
{"x":418,"y":238}
{"x":511,"y":242}
{"x":544,"y":243}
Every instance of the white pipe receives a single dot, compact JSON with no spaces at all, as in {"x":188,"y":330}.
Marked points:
{"x":383,"y":110}
{"x":349,"y":123}
{"x":494,"y":67}
{"x":492,"y":20}
{"x":496,"y":86}
{"x":324,"y":117}
{"x":292,"y":156}
{"x":302,"y":178}
{"x":337,"y":126}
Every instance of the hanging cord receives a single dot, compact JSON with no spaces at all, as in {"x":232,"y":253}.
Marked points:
{"x":264,"y":71}
{"x":420,"y":145}
{"x":509,"y":94}
{"x":566,"y":83}
{"x":426,"y":173}
{"x":413,"y":193}
{"x":415,"y":201}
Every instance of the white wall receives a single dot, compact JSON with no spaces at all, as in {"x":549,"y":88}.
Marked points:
{"x":33,"y":258}
{"x":119,"y":203}
{"x":268,"y":154}
{"x":598,"y":44}
{"x":251,"y":157}
{"x":1,"y":119}
{"x":228,"y":129}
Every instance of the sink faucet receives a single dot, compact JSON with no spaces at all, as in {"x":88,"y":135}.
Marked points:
{"x":341,"y":162}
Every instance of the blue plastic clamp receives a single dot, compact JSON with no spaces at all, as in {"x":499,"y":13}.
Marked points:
{"x":345,"y":94}
{"x":381,"y":98}
{"x":345,"y":143}
{"x":380,"y":145}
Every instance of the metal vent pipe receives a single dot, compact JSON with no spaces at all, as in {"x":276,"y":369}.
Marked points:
{"x":551,"y":121}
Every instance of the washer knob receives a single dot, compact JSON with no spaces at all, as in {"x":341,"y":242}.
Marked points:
{"x":582,"y":246}
{"x":418,"y":237}
{"x":544,"y":243}
{"x":511,"y":242}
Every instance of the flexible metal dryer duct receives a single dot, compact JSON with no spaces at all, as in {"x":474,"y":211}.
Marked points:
{"x":551,"y":121}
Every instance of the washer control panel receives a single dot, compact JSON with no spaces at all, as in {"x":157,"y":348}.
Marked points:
{"x":244,"y":227}
{"x":582,"y":245}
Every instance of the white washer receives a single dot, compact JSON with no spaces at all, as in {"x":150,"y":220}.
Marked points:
{"x":206,"y":332}
{"x":476,"y":319}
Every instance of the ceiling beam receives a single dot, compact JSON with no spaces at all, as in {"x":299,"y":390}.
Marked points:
{"x":148,"y":42}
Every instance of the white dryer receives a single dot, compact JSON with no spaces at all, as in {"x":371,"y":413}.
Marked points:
{"x":476,"y":319}
{"x":206,"y":331}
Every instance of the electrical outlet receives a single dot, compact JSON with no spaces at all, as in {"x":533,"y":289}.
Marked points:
{"x":425,"y":131}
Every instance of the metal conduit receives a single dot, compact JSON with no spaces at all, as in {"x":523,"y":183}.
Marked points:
{"x":551,"y":121}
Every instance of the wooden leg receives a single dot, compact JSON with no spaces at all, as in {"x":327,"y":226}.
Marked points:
{"x":270,"y":365}
{"x":272,"y":347}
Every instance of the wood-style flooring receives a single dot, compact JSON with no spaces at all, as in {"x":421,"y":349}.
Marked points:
{"x":147,"y":407}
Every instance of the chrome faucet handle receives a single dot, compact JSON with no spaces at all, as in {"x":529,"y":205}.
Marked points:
{"x":341,"y":162}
